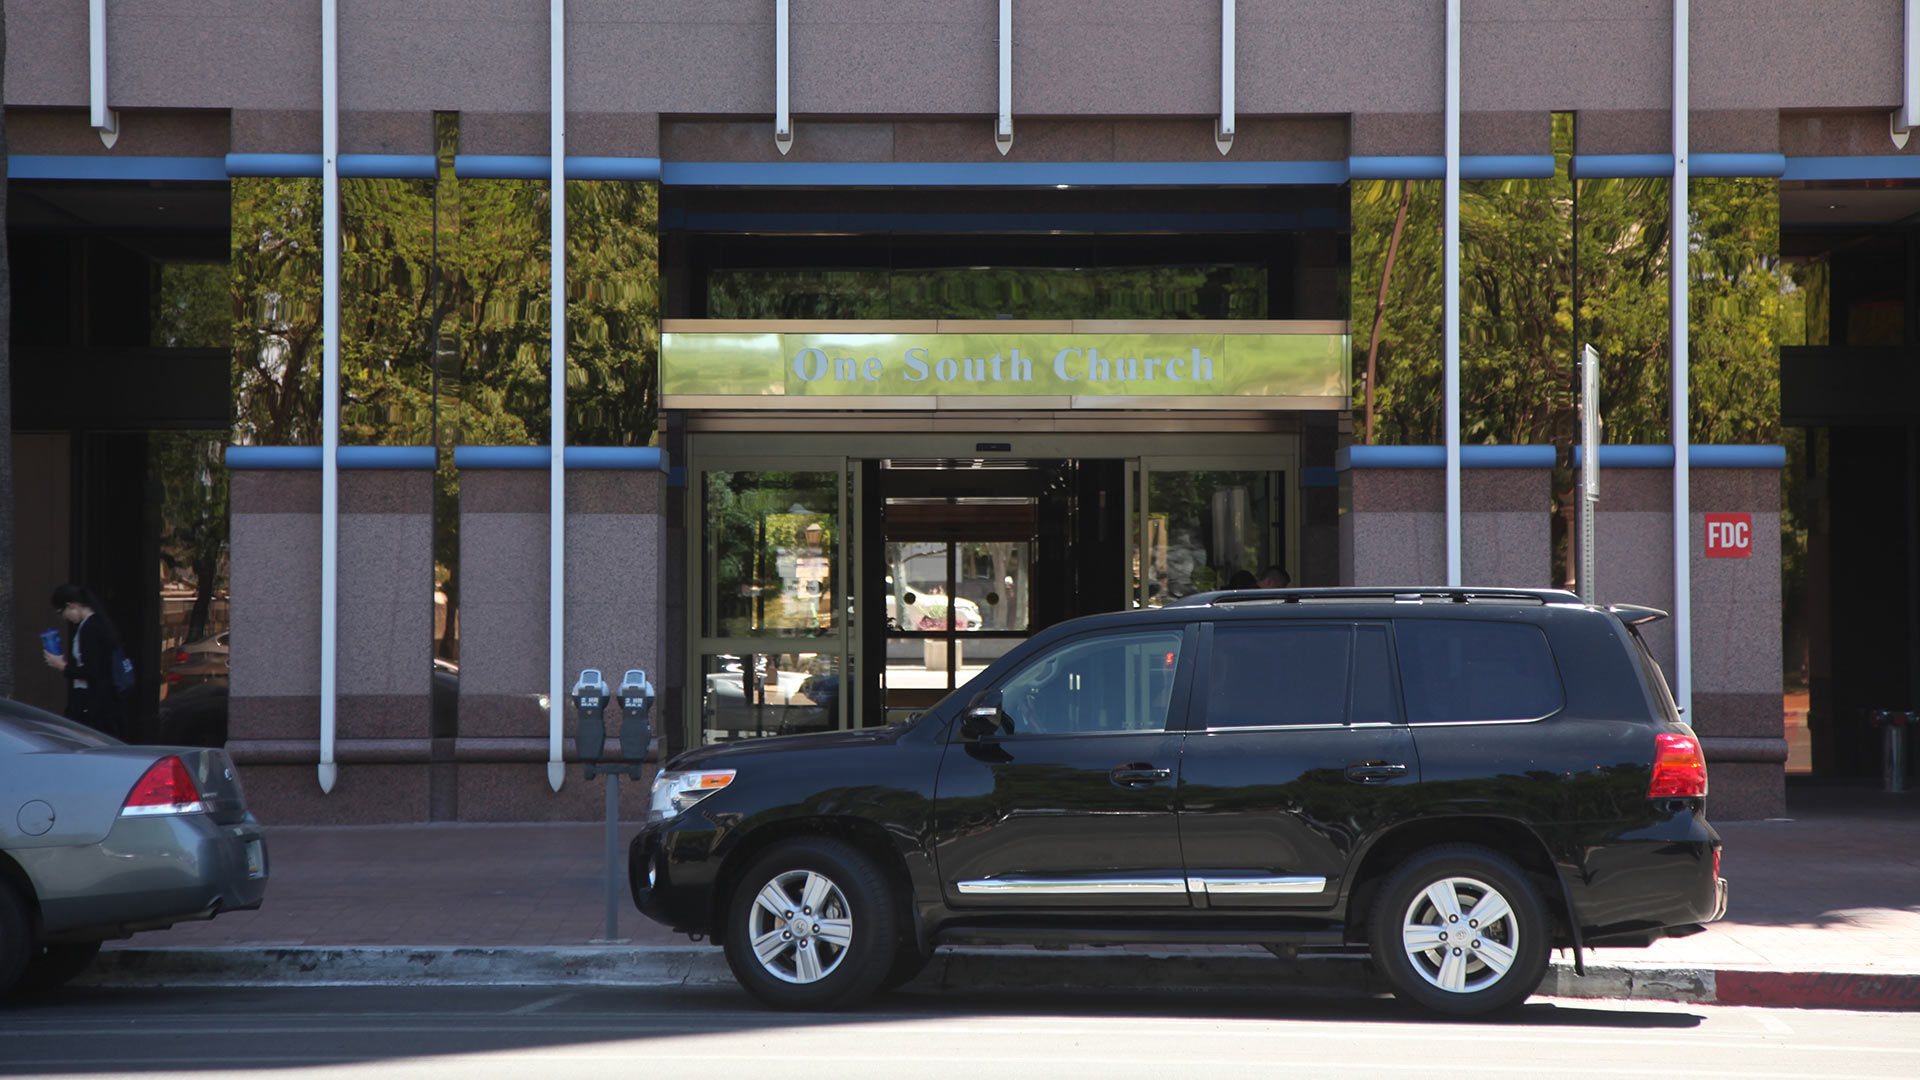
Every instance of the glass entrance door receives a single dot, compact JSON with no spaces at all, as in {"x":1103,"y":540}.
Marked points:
{"x":769,"y":655}
{"x":1210,"y":523}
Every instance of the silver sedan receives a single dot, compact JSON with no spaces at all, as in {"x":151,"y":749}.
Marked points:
{"x":99,"y":840}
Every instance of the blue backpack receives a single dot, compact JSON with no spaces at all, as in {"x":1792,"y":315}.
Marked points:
{"x":122,"y":668}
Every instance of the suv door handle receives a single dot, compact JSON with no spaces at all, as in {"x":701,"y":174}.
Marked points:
{"x":1138,"y":774}
{"x":1373,"y":772}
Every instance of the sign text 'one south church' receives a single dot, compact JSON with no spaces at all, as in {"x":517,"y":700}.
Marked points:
{"x":917,"y":365}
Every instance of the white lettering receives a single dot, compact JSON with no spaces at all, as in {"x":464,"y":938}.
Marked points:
{"x":916,"y":365}
{"x":1151,"y":362}
{"x":1022,"y":367}
{"x":1060,"y":365}
{"x":1098,"y":368}
{"x":845,"y":369}
{"x":1173,"y":367}
{"x":873,"y":369}
{"x":818,"y":365}
{"x":976,"y":368}
{"x":947,"y":369}
{"x":1202,"y":367}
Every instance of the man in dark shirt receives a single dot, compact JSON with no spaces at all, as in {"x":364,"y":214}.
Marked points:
{"x":87,"y":661}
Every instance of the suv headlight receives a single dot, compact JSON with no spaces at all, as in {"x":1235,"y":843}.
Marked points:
{"x":675,"y":792}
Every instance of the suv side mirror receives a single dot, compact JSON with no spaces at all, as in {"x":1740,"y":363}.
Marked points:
{"x":985,"y":717}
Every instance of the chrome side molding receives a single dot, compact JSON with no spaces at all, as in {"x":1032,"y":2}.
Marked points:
{"x":1242,"y":886}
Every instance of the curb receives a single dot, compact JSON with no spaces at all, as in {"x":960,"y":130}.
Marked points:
{"x":955,"y":969}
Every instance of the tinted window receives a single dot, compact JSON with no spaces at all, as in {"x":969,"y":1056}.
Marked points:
{"x":1119,"y":682}
{"x":1459,"y":671}
{"x":1373,"y":701}
{"x":1263,"y":674}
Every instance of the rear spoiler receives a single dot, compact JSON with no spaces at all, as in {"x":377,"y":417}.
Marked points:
{"x":1634,"y":614}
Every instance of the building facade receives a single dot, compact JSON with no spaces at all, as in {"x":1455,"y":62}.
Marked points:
{"x":944,"y":322}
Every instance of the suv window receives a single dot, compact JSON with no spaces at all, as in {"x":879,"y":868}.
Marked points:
{"x":1262,"y":674}
{"x":1461,"y":671}
{"x":1115,"y":682}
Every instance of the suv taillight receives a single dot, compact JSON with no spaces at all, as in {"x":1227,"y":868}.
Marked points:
{"x":1679,"y":768}
{"x":167,"y":788}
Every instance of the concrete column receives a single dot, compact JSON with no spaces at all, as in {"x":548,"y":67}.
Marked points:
{"x":1736,"y":602}
{"x":615,"y":564}
{"x":386,"y":633}
{"x":1393,"y":515}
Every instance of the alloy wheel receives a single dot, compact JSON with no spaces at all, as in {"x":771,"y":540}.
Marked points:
{"x":1460,"y":935}
{"x":800,"y":927}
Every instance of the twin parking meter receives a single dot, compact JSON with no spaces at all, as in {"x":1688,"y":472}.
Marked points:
{"x":590,"y":738}
{"x":636,"y":730}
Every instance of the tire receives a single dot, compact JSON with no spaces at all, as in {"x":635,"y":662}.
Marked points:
{"x":54,"y":966}
{"x":16,"y":937}
{"x":812,"y":926}
{"x":1417,"y":924}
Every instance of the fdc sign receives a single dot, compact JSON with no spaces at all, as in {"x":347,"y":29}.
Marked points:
{"x":1729,"y":536}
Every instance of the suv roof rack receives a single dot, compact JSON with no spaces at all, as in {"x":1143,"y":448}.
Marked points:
{"x":1410,"y":594}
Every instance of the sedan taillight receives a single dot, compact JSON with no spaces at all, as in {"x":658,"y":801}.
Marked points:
{"x":167,"y":788}
{"x":1679,"y":768}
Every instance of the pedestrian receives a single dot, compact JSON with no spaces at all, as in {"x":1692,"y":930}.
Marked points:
{"x":1241,"y":579}
{"x":1275,"y":578}
{"x":92,"y":650}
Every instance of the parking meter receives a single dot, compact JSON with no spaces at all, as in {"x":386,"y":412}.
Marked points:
{"x":590,"y":702}
{"x":636,"y":729}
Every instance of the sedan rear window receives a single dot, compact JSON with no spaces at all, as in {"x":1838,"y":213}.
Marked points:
{"x":1459,"y":671}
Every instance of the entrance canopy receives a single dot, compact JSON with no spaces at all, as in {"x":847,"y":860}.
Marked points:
{"x":999,"y":364}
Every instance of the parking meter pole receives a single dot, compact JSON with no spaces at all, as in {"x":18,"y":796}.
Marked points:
{"x":613,"y":857}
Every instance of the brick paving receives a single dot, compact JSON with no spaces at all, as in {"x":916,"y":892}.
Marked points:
{"x":1835,"y":887}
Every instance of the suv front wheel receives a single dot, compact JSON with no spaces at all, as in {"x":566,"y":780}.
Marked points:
{"x":1460,"y":930}
{"x":811,"y":926}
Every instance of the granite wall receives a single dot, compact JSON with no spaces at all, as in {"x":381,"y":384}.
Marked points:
{"x":1393,"y":516}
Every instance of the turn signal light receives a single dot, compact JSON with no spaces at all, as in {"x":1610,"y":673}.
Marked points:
{"x":167,"y":788}
{"x":1679,"y":768}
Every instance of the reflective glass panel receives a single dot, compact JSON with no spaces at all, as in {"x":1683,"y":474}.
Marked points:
{"x":761,"y":694}
{"x":1206,"y":526}
{"x":771,"y":541}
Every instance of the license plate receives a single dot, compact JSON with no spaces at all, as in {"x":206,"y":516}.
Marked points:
{"x":256,"y":859}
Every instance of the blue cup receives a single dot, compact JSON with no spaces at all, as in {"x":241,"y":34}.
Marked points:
{"x":50,"y":641}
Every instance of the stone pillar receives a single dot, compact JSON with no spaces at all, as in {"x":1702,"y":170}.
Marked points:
{"x":1737,"y":708}
{"x":616,"y":544}
{"x":1393,"y":515}
{"x":383,"y":715}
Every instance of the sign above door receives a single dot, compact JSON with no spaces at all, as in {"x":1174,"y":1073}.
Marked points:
{"x":1004,"y":364}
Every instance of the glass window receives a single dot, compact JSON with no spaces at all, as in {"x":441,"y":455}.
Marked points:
{"x":1265,"y":674}
{"x":1208,"y":529}
{"x":1117,"y":682}
{"x":745,"y":697}
{"x":770,"y":544}
{"x":1372,"y":678}
{"x":1458,"y":671}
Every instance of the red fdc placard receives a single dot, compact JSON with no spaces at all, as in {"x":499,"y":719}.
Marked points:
{"x":1729,"y":536}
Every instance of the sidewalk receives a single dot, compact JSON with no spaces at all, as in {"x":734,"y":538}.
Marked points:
{"x":1825,"y":911}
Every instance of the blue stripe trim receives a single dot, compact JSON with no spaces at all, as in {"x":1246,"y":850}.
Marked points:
{"x":1737,"y":164}
{"x":647,"y":458}
{"x":1699,"y":456}
{"x":273,"y":457}
{"x":1319,"y":476}
{"x":1435,"y":457}
{"x":389,"y":166}
{"x":111,"y":167}
{"x":998,"y":173}
{"x":1617,"y":166}
{"x":540,"y":167}
{"x":1883,"y":167}
{"x":386,"y":457}
{"x":273,"y":164}
{"x":1434,"y":167}
{"x":642,"y":458}
{"x":501,"y":457}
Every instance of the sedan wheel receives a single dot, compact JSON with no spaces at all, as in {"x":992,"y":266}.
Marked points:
{"x":812,"y":926}
{"x":1461,"y":930}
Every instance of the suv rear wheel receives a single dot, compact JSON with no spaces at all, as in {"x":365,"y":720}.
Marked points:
{"x":811,"y":926}
{"x":1460,"y":930}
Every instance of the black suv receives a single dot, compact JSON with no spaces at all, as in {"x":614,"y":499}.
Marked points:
{"x":1456,"y":780}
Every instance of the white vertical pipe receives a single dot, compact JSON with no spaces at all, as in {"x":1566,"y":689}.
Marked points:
{"x":97,"y":63}
{"x":1003,"y":123}
{"x":1223,"y":134}
{"x":557,"y":391}
{"x":1451,"y":362}
{"x":1678,"y":235}
{"x":1910,"y":86}
{"x":330,"y":393}
{"x":782,"y":100}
